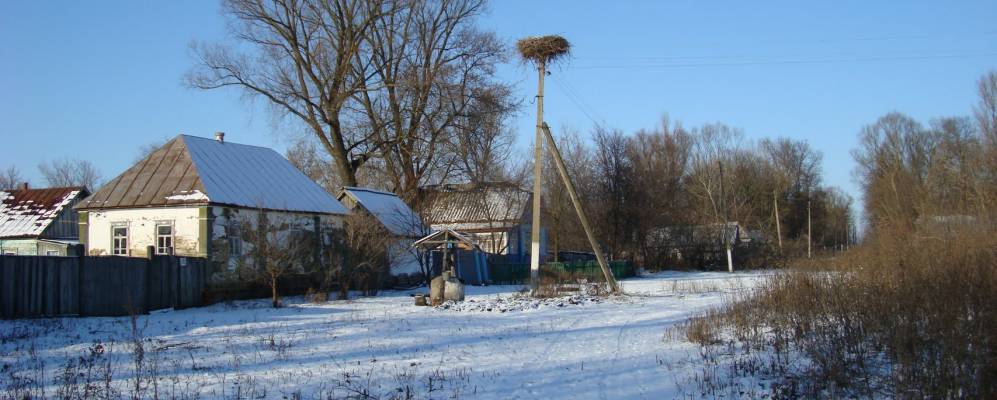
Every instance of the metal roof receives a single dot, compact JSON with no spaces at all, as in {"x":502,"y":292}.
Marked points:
{"x":191,"y":170}
{"x":482,"y":206}
{"x":28,"y":212}
{"x":389,"y":209}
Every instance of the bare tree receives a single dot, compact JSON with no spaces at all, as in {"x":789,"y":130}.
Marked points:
{"x":372,"y":80}
{"x":146,"y":149}
{"x":71,"y":172}
{"x":482,"y":146}
{"x":367,"y":243}
{"x":278,"y":248}
{"x":433,"y":65}
{"x":316,"y":165}
{"x":303,"y":65}
{"x":11,"y":178}
{"x":986,"y":109}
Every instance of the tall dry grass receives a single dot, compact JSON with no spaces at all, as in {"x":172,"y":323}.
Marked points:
{"x":909,"y":316}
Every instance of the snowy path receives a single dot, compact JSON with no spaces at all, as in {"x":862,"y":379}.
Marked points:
{"x":614,"y":349}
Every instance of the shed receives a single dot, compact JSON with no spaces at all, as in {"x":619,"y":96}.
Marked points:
{"x":39,"y":221}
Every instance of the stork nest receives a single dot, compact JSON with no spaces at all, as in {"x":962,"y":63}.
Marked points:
{"x":543,"y":48}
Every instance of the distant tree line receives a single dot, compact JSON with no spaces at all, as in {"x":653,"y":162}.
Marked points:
{"x":916,"y":175}
{"x":643,"y":190}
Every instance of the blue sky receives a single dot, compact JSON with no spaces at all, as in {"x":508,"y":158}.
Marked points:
{"x":97,"y":80}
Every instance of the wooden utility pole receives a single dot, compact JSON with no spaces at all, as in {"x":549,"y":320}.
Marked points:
{"x":778,"y":229}
{"x":537,"y":164}
{"x":541,"y":51}
{"x":559,"y":162}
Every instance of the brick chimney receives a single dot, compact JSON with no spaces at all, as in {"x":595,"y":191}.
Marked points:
{"x":24,"y":186}
{"x":220,"y":137}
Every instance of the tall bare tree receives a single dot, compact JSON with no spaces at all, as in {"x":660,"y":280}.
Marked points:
{"x":10,"y":178}
{"x":372,"y":80}
{"x":71,"y":172}
{"x":302,"y":64}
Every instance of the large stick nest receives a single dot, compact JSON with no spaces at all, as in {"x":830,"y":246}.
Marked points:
{"x":543,"y":48}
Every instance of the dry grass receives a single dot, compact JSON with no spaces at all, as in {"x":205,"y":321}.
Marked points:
{"x":904,"y":316}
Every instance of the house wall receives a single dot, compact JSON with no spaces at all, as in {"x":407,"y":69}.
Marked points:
{"x":66,"y":224}
{"x":32,"y":247}
{"x":229,"y":222}
{"x":216,"y":232}
{"x":141,"y":223}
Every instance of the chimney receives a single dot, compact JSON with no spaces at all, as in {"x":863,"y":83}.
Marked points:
{"x":24,"y":186}
{"x":220,"y":137}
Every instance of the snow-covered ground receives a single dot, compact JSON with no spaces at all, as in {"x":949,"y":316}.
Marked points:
{"x":386,"y":347}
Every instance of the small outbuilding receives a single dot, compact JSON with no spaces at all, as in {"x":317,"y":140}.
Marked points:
{"x":404,"y":225}
{"x":39,"y":221}
{"x":456,"y":252}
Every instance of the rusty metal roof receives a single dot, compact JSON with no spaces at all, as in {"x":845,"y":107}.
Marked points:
{"x":27,"y":212}
{"x":190,"y":170}
{"x":481,"y":206}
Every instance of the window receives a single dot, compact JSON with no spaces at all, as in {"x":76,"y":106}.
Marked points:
{"x":10,"y":252}
{"x":51,"y":252}
{"x":234,"y":246}
{"x":119,"y":241}
{"x":164,"y":239}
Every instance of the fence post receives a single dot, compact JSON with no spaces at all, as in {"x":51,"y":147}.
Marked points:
{"x":81,"y":258}
{"x":150,"y":255}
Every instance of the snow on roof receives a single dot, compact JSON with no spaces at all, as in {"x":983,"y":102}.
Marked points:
{"x":27,"y":212}
{"x":195,"y":170}
{"x":389,"y":209}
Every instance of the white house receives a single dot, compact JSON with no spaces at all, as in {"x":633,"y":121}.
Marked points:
{"x":194,"y":196}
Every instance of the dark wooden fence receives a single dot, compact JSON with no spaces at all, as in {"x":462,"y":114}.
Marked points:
{"x":47,"y":286}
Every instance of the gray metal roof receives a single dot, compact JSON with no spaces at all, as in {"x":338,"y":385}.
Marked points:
{"x":475,"y":207}
{"x":194,"y":170}
{"x":389,"y":209}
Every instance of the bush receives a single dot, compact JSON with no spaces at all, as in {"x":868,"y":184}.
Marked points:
{"x":903,"y":315}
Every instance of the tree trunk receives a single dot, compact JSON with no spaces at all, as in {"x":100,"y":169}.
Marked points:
{"x":275,"y":302}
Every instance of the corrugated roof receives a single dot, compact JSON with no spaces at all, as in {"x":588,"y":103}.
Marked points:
{"x":26,"y":213}
{"x":195,"y":170}
{"x":477,"y":207}
{"x":389,"y":209}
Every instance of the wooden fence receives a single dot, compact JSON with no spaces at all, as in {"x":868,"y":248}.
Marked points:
{"x":48,"y":286}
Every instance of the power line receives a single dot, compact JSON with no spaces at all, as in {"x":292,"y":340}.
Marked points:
{"x":790,"y":62}
{"x":577,"y":100}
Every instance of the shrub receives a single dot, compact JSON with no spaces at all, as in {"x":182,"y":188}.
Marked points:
{"x":903,"y":315}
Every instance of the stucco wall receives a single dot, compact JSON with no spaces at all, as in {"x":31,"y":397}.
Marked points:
{"x":141,"y":223}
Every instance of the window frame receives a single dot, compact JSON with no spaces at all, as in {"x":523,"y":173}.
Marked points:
{"x":123,"y":252}
{"x":164,"y":250}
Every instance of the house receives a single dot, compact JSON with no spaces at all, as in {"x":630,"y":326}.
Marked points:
{"x":404,"y":225}
{"x":497,"y":215}
{"x":203,"y":197}
{"x":39,"y":221}
{"x":701,"y":245}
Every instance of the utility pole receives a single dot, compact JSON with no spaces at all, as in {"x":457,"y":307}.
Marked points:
{"x":537,"y":164}
{"x":778,"y":229}
{"x":563,"y":171}
{"x":540,"y":51}
{"x":723,"y":201}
